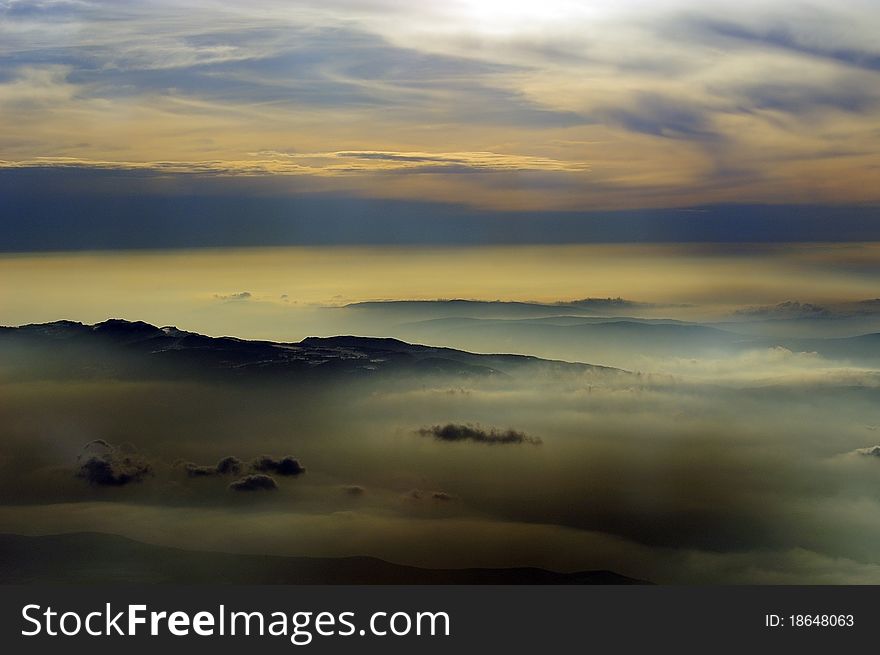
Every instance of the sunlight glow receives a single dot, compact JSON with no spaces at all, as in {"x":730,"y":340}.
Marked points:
{"x":505,"y":16}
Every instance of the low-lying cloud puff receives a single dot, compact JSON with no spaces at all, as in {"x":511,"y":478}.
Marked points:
{"x":198,"y":471}
{"x":257,"y":482}
{"x":605,"y":303}
{"x":468,"y":432}
{"x":354,"y":490}
{"x":242,"y":295}
{"x":227,"y":466}
{"x":285,"y":466}
{"x":418,"y":494}
{"x":103,"y":464}
{"x":871,"y":451}
{"x":788,"y":309}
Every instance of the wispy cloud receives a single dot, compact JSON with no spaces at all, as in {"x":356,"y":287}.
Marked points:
{"x":478,"y":434}
{"x":323,"y":163}
{"x":600,"y":105}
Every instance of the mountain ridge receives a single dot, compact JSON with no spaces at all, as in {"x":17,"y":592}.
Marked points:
{"x":137,"y":346}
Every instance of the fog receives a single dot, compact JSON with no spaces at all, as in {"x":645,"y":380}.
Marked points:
{"x":654,"y":477}
{"x":733,"y":441}
{"x":285,"y":294}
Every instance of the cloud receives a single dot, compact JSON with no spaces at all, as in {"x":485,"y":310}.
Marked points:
{"x":657,"y":115}
{"x":421,"y":161}
{"x":871,"y":451}
{"x":793,"y":37}
{"x":418,"y":494}
{"x":795,"y":309}
{"x":197,"y":471}
{"x":751,"y":467}
{"x":468,"y":432}
{"x":285,"y":466}
{"x":787,"y":309}
{"x":257,"y":482}
{"x":227,"y":466}
{"x":797,"y":98}
{"x":324,"y":164}
{"x":97,"y":443}
{"x":225,"y":167}
{"x":428,"y":92}
{"x":353,"y":490}
{"x":242,"y":295}
{"x":606,"y":303}
{"x":103,"y":464}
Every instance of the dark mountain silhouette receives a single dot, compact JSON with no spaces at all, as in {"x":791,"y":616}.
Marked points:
{"x":97,"y":558}
{"x":136,"y":349}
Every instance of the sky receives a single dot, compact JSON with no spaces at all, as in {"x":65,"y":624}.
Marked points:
{"x":218,"y":123}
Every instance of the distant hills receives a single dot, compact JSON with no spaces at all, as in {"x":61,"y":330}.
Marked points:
{"x":597,"y":330}
{"x":580,"y":338}
{"x":97,"y":558}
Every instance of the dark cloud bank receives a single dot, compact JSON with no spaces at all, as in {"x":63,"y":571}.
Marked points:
{"x":226,"y":466}
{"x":103,"y":464}
{"x":284,"y":466}
{"x":257,"y":482}
{"x":287,"y":466}
{"x":57,"y":210}
{"x":418,"y":494}
{"x":106,"y":465}
{"x":460,"y":432}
